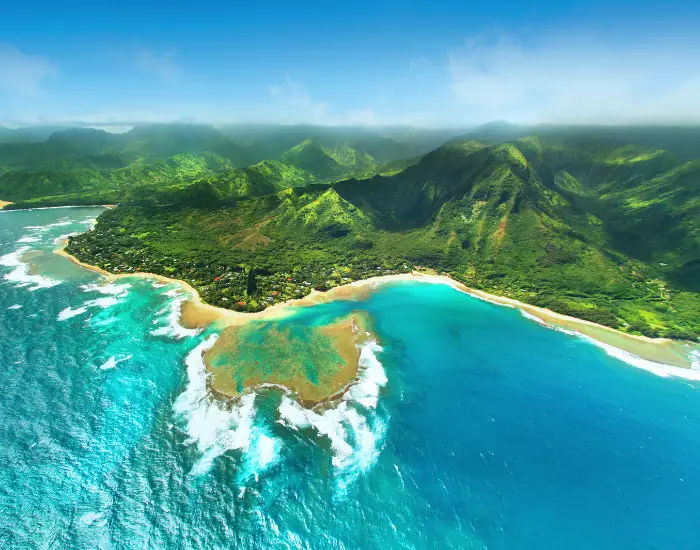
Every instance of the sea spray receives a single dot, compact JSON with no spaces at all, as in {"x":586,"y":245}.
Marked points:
{"x":114,"y":360}
{"x":173,"y":328}
{"x":353,"y":426}
{"x":20,"y":275}
{"x":68,"y":313}
{"x":215,"y":427}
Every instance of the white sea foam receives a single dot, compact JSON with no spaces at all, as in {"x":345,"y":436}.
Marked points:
{"x":174,"y":328}
{"x":89,"y":518}
{"x":105,"y":302}
{"x":69,"y":312}
{"x":15,"y":306}
{"x":216,"y":428}
{"x":114,"y":361}
{"x":63,"y":237}
{"x":354,"y":441}
{"x":114,"y":289}
{"x":532,"y":317}
{"x":20,"y":274}
{"x":544,"y":323}
{"x":660,"y":369}
{"x":371,"y":377}
{"x":354,"y":430}
{"x":42,"y":228}
{"x":112,"y":294}
{"x":29,"y":239}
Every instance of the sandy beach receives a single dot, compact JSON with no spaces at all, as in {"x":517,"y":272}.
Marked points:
{"x":3,"y":204}
{"x":196,"y":313}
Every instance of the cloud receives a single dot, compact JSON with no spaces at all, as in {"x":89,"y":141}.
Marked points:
{"x":292,"y":102}
{"x":22,"y":74}
{"x":160,"y":65}
{"x":575,"y":79}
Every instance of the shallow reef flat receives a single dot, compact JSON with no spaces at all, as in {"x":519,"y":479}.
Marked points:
{"x":313,"y":362}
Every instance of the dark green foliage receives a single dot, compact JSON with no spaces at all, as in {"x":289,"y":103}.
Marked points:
{"x":598,"y":229}
{"x":251,"y":285}
{"x":156,"y":162}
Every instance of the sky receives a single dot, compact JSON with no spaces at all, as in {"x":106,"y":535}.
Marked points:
{"x":352,"y":63}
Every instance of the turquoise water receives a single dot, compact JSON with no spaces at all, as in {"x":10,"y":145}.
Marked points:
{"x":471,"y":427}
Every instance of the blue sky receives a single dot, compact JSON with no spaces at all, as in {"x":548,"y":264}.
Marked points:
{"x":422,"y":63}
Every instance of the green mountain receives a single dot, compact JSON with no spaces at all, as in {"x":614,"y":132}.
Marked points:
{"x":600,"y":231}
{"x":83,"y":165}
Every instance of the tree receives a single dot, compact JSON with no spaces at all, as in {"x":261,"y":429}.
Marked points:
{"x":252,"y":284}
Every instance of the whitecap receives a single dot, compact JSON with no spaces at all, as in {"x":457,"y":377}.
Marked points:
{"x":119,"y":290}
{"x":107,"y":301}
{"x":29,"y":239}
{"x":20,"y":274}
{"x":114,"y":361}
{"x":173,"y":327}
{"x":69,"y":312}
{"x":48,"y":226}
{"x":15,"y":306}
{"x":215,"y":428}
{"x":112,"y":294}
{"x":61,"y":238}
{"x":371,"y":377}
{"x":89,"y":518}
{"x":354,"y":430}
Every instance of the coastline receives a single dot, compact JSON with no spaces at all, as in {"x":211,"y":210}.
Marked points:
{"x":197,"y":314}
{"x":3,"y":204}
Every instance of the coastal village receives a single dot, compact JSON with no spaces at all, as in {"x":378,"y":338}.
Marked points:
{"x":240,"y":287}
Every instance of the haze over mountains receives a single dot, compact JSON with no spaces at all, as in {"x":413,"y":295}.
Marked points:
{"x":84,"y":164}
{"x":597,"y":222}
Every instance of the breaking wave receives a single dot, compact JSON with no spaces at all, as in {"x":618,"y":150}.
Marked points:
{"x":69,"y":312}
{"x":353,"y":427}
{"x":215,"y":427}
{"x":20,"y":275}
{"x":173,"y":328}
{"x":114,"y":361}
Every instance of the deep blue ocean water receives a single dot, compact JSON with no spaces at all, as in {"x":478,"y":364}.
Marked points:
{"x":472,"y":427}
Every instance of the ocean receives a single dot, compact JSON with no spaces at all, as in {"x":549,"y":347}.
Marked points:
{"x":471,"y":426}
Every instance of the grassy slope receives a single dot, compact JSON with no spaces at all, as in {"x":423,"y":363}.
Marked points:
{"x":584,"y":231}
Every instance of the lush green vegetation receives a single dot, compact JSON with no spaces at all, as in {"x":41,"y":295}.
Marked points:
{"x":594,"y":229}
{"x":154,"y":163}
{"x":599,"y":223}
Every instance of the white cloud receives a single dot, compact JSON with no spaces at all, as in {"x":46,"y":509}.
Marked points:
{"x":576,"y":80}
{"x":291,"y":101}
{"x":161,"y":65}
{"x":21,"y":73}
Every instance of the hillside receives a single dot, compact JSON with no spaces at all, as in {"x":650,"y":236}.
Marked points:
{"x":604,"y":233}
{"x":88,"y":166}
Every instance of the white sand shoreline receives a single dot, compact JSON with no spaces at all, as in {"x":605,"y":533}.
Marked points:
{"x":650,"y":353}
